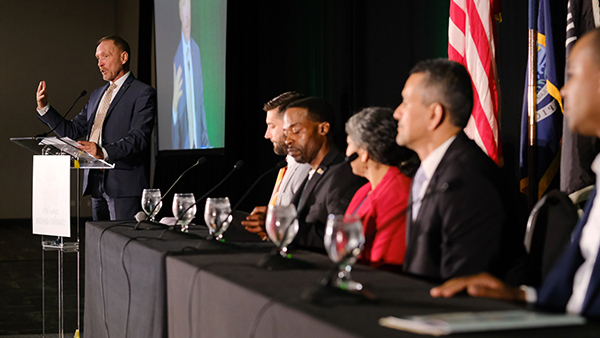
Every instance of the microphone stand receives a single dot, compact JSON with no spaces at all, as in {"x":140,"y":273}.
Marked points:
{"x":236,"y":167}
{"x":65,"y":115}
{"x":201,"y":160}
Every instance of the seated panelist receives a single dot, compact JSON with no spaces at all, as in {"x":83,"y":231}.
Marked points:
{"x":290,"y":178}
{"x":573,"y":285}
{"x":382,"y":202}
{"x":330,"y":183}
{"x":457,"y":214}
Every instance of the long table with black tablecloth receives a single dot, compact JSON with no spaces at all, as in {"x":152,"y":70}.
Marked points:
{"x":158,"y":283}
{"x":125,"y":276}
{"x":227,"y":295}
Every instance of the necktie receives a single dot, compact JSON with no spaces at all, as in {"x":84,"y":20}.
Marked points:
{"x":277,"y":185}
{"x":101,"y":114}
{"x":416,"y":190}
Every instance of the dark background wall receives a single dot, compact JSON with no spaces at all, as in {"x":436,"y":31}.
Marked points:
{"x":353,"y":53}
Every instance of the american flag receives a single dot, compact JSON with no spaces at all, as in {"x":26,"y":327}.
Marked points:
{"x":471,"y":42}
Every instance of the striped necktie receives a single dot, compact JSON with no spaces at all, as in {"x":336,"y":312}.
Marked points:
{"x":101,"y":114}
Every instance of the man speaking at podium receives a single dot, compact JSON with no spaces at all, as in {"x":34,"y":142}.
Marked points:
{"x":117,"y":123}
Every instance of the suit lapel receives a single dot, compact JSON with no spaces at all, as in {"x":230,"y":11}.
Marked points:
{"x":328,"y":160}
{"x":432,"y":187}
{"x":310,"y":186}
{"x":119,"y":95}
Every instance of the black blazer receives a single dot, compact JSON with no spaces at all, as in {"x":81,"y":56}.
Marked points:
{"x":125,"y":135}
{"x":458,"y":229}
{"x":329,"y":191}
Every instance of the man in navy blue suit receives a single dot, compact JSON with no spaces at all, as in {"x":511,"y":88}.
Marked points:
{"x":117,"y":124}
{"x":574,"y":283}
{"x":189,"y":129}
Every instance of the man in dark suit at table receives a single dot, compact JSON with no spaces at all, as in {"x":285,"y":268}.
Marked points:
{"x":290,"y":177}
{"x":330,"y":184}
{"x":456,"y":213}
{"x":117,"y":122}
{"x":574,"y":283}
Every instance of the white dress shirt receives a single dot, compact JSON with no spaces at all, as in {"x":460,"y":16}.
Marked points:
{"x":428,"y":167}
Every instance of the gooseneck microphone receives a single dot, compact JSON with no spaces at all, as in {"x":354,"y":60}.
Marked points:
{"x":239,"y":164}
{"x":200,"y":161}
{"x":278,"y":166}
{"x":65,"y":115}
{"x":351,"y":158}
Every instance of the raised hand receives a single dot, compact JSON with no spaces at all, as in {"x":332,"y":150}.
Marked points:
{"x":41,"y":96}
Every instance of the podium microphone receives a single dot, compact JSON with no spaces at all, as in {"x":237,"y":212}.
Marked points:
{"x":140,"y":218}
{"x":65,"y":115}
{"x":278,"y":166}
{"x":237,"y":166}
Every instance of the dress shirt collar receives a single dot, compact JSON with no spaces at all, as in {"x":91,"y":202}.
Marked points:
{"x":432,"y":161}
{"x":119,"y":82}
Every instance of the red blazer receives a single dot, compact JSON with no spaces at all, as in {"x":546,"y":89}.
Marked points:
{"x":383,"y":212}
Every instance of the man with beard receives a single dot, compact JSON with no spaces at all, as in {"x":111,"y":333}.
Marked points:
{"x":330,"y":183}
{"x":290,"y":177}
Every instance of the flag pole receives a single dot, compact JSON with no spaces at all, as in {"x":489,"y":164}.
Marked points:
{"x":532,"y":105}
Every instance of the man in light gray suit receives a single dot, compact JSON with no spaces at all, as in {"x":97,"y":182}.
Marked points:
{"x":289,"y":178}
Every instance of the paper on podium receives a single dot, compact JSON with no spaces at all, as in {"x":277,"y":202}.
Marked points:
{"x":458,"y":322}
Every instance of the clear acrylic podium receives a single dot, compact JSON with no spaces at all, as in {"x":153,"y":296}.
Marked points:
{"x":79,"y":160}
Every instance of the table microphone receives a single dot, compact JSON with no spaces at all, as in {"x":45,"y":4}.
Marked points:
{"x":278,"y":166}
{"x":140,"y":218}
{"x":65,"y":115}
{"x":237,"y":166}
{"x":351,"y":158}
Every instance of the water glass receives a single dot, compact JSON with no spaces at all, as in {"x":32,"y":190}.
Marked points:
{"x":151,"y":202}
{"x":184,"y":209}
{"x":281,"y":225}
{"x":217,"y":215}
{"x":344,"y":240}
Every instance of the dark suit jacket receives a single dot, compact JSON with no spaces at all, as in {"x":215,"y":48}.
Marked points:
{"x":329,"y":191}
{"x":459,"y":226}
{"x":125,"y":135}
{"x":556,"y":289}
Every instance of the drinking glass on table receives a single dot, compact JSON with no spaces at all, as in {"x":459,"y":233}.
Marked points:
{"x":344,"y":240}
{"x":151,"y":202}
{"x":184,"y":209}
{"x":281,"y":225}
{"x":217,"y":215}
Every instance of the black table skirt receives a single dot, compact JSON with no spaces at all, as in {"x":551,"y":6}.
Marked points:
{"x":180,"y":283}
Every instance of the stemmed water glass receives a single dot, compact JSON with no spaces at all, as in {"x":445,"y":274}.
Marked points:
{"x":151,"y":202}
{"x":217,"y":215}
{"x":344,"y":240}
{"x":184,"y":209}
{"x":282,"y":226}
